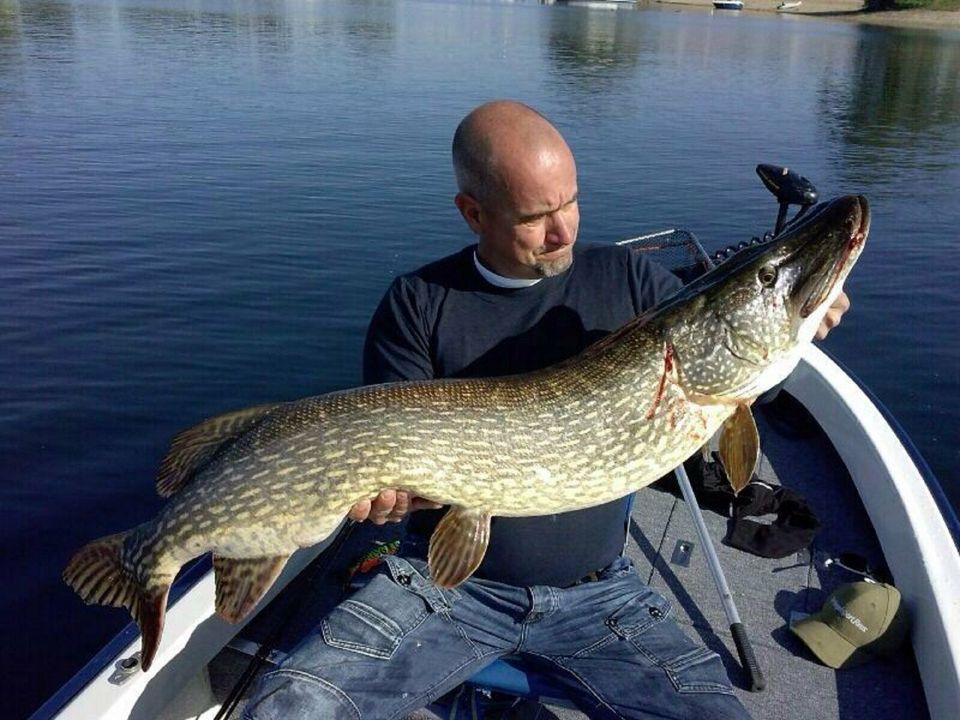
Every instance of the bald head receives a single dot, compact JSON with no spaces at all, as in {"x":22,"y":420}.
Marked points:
{"x":496,"y":142}
{"x":518,"y":190}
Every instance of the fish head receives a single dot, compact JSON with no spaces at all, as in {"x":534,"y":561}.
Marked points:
{"x":747,"y":320}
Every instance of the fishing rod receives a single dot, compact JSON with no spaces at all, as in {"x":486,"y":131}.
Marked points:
{"x":790,"y":188}
{"x":748,"y":660}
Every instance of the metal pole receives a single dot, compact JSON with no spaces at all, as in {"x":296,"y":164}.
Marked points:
{"x":747,"y":659}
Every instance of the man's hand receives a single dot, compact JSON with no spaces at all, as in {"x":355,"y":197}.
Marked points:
{"x":389,"y":506}
{"x":834,"y":313}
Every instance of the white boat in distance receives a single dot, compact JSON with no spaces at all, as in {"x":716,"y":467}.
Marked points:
{"x":825,"y":436}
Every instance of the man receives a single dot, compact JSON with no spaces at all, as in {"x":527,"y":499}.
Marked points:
{"x":553,"y":589}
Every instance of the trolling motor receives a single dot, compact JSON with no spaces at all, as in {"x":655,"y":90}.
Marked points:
{"x":789,"y":188}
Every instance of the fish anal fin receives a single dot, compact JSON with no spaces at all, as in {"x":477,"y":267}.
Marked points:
{"x":191,"y":448}
{"x":98,"y":575}
{"x":739,"y":447}
{"x":241,"y":582}
{"x":458,"y":545}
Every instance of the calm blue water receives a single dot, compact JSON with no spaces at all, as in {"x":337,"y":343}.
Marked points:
{"x":201,"y":202}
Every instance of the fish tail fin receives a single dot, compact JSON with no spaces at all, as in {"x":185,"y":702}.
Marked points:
{"x":98,"y":575}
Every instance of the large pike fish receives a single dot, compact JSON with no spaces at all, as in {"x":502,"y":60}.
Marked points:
{"x":254,"y":485}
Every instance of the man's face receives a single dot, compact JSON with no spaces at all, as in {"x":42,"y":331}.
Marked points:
{"x":529,"y":228}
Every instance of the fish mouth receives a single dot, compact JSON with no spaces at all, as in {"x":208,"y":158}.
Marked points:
{"x":850,"y":217}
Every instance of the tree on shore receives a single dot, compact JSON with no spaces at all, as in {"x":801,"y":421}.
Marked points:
{"x":876,"y":5}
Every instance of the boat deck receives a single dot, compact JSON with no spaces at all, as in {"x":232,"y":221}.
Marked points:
{"x":766,"y":591}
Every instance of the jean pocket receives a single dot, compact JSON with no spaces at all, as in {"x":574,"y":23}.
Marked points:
{"x":644,"y":621}
{"x":375,"y":619}
{"x":698,"y":671}
{"x":639,"y":614}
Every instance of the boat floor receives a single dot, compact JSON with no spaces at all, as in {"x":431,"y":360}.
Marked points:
{"x":766,"y":592}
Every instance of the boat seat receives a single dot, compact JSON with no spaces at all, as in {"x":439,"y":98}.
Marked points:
{"x":510,"y":676}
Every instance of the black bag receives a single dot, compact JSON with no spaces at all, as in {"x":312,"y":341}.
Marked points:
{"x":795,"y":525}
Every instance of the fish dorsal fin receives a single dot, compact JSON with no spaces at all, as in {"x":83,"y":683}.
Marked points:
{"x":740,"y":447}
{"x":458,"y":545}
{"x":192,"y":447}
{"x":241,"y":582}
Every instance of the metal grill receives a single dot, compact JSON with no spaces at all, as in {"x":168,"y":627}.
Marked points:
{"x":676,"y":249}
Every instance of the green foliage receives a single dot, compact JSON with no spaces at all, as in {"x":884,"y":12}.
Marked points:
{"x":913,"y":4}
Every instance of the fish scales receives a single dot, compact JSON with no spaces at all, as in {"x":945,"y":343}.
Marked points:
{"x":254,"y":485}
{"x":308,"y":437}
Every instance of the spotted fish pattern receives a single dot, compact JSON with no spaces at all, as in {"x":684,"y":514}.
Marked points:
{"x":252,"y":486}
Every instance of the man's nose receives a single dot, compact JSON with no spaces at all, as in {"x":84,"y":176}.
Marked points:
{"x":559,"y":229}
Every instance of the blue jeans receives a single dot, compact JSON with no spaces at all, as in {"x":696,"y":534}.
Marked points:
{"x":400,"y":642}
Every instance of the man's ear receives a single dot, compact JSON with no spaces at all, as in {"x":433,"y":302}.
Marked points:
{"x":470,"y":209}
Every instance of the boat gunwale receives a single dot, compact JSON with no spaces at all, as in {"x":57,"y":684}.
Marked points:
{"x":926,"y":576}
{"x":110,"y":653}
{"x":950,"y":517}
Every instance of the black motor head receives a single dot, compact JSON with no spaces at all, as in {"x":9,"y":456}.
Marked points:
{"x":789,"y":187}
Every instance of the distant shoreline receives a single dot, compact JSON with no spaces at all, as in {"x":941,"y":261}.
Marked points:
{"x":847,"y":11}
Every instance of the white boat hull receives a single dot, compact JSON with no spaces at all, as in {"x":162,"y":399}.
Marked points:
{"x":727,"y":4}
{"x":916,"y":541}
{"x":176,"y":685}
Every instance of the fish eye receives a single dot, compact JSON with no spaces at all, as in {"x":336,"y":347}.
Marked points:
{"x":767,"y":275}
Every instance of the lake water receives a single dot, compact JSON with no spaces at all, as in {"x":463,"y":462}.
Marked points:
{"x":202,"y":201}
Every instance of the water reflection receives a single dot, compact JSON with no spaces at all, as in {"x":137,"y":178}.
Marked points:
{"x":208,"y":26}
{"x":366,"y":26}
{"x":47,"y":20}
{"x":374,"y":27}
{"x":10,"y":54}
{"x":196,"y":193}
{"x":594,"y":50}
{"x":898,"y":100}
{"x":9,"y":19}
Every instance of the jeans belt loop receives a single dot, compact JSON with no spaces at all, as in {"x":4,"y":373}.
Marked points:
{"x":404,"y":573}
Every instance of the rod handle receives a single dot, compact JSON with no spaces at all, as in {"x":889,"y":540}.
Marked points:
{"x":747,"y":659}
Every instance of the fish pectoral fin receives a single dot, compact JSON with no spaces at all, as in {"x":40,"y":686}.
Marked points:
{"x":241,"y":582}
{"x":739,"y":447}
{"x":191,"y":448}
{"x":458,"y":545}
